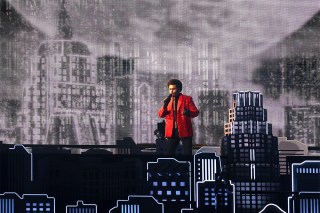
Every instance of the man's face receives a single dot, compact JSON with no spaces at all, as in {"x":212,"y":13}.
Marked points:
{"x":173,"y":90}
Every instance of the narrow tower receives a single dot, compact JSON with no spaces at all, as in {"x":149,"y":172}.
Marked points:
{"x":64,"y":23}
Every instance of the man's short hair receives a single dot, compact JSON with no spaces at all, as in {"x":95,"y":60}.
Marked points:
{"x":175,"y":82}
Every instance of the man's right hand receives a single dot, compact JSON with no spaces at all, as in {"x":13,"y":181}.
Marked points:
{"x":166,"y":101}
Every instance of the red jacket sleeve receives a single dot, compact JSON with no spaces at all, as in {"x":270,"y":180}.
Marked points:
{"x":163,"y":112}
{"x":194,"y":112}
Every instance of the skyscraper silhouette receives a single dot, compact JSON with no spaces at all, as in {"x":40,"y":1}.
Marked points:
{"x":249,"y":153}
{"x":170,"y":182}
{"x":306,"y":197}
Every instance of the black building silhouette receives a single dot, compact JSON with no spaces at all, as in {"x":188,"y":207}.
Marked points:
{"x":11,"y":202}
{"x":96,"y":178}
{"x":306,"y":191}
{"x":212,"y":192}
{"x":81,"y":207}
{"x":16,"y":169}
{"x":207,"y":165}
{"x":138,"y":204}
{"x":250,"y":153}
{"x":215,"y":196}
{"x":169,"y":182}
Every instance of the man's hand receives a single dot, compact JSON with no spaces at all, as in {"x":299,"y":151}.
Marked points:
{"x":186,"y":112}
{"x":166,"y":101}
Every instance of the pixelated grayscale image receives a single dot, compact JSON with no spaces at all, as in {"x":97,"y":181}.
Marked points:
{"x":90,"y":72}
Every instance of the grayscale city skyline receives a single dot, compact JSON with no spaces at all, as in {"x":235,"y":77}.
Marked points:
{"x":215,"y":48}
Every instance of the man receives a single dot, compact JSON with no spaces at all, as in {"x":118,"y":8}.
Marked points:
{"x":178,"y":109}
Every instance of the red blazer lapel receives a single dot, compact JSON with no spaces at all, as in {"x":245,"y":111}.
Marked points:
{"x":180,"y":102}
{"x":169,"y":107}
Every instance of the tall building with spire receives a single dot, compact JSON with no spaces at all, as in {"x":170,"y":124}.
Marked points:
{"x":249,"y":153}
{"x":64,"y":24}
{"x":64,"y":102}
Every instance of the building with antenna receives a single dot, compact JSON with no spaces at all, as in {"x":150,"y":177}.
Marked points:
{"x":64,"y":102}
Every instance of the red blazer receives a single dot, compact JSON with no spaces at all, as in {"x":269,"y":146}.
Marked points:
{"x":183,"y":121}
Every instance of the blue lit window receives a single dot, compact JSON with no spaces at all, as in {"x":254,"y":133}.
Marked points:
{"x":27,"y":204}
{"x":206,"y":194}
{"x":206,"y":189}
{"x":164,"y":183}
{"x":182,"y":183}
{"x":213,"y":198}
{"x":212,"y":194}
{"x":41,"y":209}
{"x":206,"y":203}
{"x":47,"y":204}
{"x":206,"y":198}
{"x":34,"y":209}
{"x":159,"y":192}
{"x":155,"y":183}
{"x":47,"y":209}
{"x":40,"y":204}
{"x":27,"y":209}
{"x":178,"y":192}
{"x":173,"y":183}
{"x":151,"y":192}
{"x":168,"y":192}
{"x":213,"y":204}
{"x":186,"y":193}
{"x":34,"y":204}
